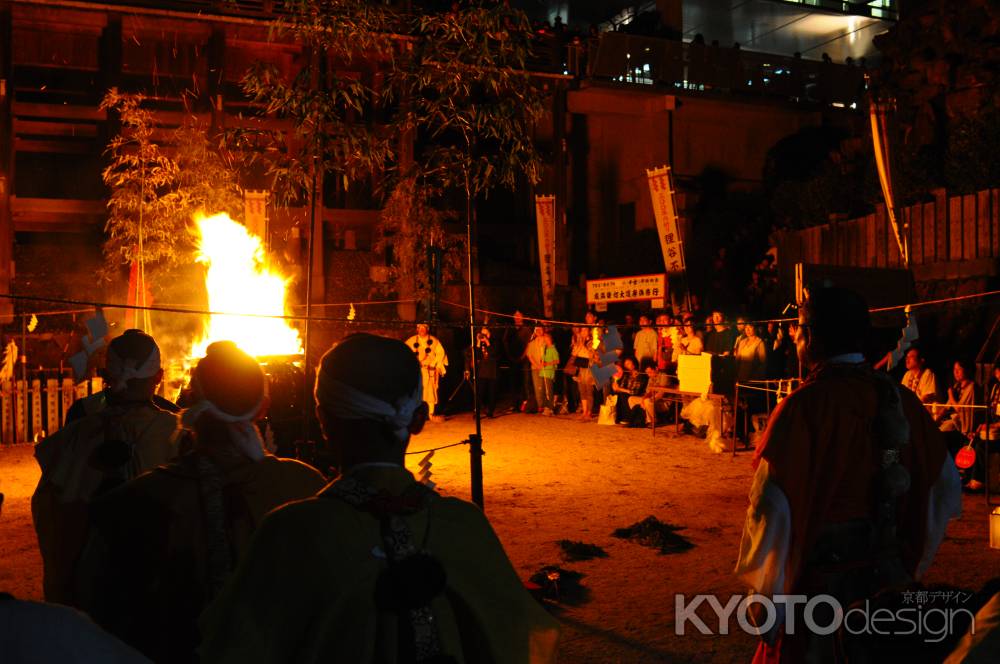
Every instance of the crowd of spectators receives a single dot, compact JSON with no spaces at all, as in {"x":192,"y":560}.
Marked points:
{"x":552,"y":371}
{"x":968,"y":413}
{"x":549,"y":368}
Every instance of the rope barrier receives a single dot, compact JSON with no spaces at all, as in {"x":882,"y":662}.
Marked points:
{"x":743,"y":386}
{"x":944,"y":300}
{"x":547,"y":321}
{"x":204,"y":312}
{"x":768,"y":381}
{"x":957,"y":405}
{"x":435,"y":449}
{"x":755,"y":321}
{"x":356,"y":304}
{"x":56,"y":313}
{"x":359,"y":321}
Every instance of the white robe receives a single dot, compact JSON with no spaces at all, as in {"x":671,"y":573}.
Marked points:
{"x":433,"y":363}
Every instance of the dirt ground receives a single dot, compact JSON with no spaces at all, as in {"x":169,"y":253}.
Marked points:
{"x":552,"y":478}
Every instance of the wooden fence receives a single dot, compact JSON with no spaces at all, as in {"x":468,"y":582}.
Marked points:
{"x":947,"y":229}
{"x":36,"y":408}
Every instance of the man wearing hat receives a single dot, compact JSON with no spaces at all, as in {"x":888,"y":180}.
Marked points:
{"x":854,"y":485}
{"x":98,"y":451}
{"x":377,"y":567}
{"x":433,"y":362}
{"x":164,"y":544}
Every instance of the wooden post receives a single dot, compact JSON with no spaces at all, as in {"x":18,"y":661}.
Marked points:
{"x":20,"y":412}
{"x":52,"y":393}
{"x":68,"y":396}
{"x":36,"y":408}
{"x":6,"y":408}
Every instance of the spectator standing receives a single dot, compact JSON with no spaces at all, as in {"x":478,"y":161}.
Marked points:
{"x":534,"y":354}
{"x":750,"y":355}
{"x":987,"y":435}
{"x":516,"y":342}
{"x":666,"y":346}
{"x":627,"y":332}
{"x":583,"y":356}
{"x":646,"y":341}
{"x":720,"y":338}
{"x":486,"y":378}
{"x":690,"y":343}
{"x":776,"y":352}
{"x":550,"y":362}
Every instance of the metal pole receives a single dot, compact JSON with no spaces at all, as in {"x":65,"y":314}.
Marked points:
{"x":24,"y":348}
{"x":736,"y":408}
{"x":986,"y":450}
{"x":24,"y":377}
{"x":476,"y":439}
{"x":306,"y":387}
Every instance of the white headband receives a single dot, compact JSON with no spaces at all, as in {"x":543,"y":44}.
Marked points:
{"x":346,"y":402}
{"x":241,"y":428}
{"x":121,"y":370}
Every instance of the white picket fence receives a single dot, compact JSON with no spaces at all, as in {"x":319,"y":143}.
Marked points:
{"x":34,"y":409}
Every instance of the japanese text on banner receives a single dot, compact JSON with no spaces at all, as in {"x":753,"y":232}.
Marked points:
{"x":662,"y":195}
{"x":545,"y":213}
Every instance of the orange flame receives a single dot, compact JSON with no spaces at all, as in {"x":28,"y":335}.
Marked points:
{"x":240,"y":279}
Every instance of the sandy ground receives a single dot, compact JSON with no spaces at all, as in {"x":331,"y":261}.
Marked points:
{"x":552,"y":478}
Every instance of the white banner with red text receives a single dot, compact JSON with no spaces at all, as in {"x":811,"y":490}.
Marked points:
{"x":627,"y":289}
{"x":661,"y":191}
{"x":545,"y":213}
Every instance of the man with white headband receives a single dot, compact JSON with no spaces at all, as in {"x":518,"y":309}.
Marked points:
{"x":377,"y":567}
{"x":119,"y":370}
{"x":163,"y":544}
{"x":127,"y":435}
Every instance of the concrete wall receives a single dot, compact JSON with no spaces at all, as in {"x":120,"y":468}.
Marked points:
{"x":732,"y":135}
{"x":616,"y":134}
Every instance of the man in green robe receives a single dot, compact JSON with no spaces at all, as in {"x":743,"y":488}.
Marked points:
{"x":377,"y":567}
{"x":163,"y":544}
{"x":123,"y":434}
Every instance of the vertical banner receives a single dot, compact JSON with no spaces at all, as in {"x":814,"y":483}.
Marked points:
{"x":545,"y":213}
{"x":255,"y":213}
{"x":661,"y":191}
{"x":880,"y":143}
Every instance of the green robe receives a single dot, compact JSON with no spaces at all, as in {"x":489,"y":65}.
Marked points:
{"x":305,"y":590}
{"x":145,"y":574}
{"x":72,"y":477}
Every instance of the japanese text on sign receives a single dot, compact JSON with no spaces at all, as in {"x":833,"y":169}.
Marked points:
{"x":626,"y":289}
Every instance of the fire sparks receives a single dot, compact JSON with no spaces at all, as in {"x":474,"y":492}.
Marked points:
{"x":240,"y":279}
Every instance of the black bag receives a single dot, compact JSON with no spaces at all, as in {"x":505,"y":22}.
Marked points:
{"x":637,"y":418}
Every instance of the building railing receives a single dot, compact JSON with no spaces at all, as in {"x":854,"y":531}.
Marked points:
{"x":624,"y":58}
